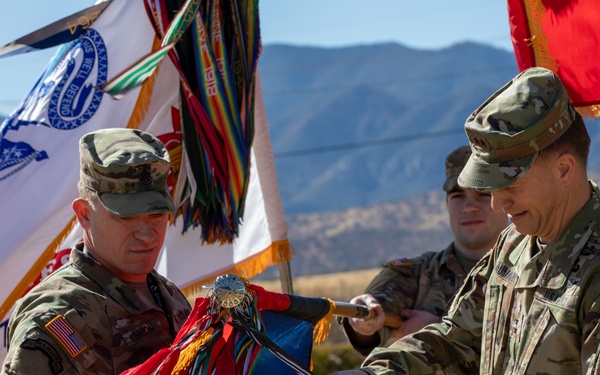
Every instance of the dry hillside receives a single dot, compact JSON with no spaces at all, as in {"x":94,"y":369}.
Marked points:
{"x":366,"y":237}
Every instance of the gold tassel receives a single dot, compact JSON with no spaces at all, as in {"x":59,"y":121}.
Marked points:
{"x":591,"y":112}
{"x":323,"y":326}
{"x":187,"y":355}
{"x":535,"y":10}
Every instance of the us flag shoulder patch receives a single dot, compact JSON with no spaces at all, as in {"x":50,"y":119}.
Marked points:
{"x":60,"y":328}
{"x":399,"y":262}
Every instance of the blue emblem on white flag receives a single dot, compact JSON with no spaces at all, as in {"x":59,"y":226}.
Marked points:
{"x":64,"y":98}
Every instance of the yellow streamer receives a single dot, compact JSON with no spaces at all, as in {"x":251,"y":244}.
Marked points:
{"x":187,"y":355}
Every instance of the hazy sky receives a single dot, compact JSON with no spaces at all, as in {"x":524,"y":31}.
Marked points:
{"x":429,"y":24}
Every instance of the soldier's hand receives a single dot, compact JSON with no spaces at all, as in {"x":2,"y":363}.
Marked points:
{"x":370,"y":326}
{"x":414,"y":320}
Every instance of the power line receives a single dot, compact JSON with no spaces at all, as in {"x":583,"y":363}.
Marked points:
{"x":372,"y":143}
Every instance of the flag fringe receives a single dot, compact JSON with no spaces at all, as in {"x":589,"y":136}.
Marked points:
{"x":277,"y":252}
{"x":323,"y":326}
{"x":539,"y":42}
{"x":591,"y":112}
{"x":36,"y":268}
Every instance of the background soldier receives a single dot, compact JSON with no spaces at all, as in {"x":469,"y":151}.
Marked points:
{"x":418,"y":289}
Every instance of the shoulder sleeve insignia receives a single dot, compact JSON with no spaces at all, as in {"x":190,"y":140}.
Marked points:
{"x":42,"y":345}
{"x":62,"y":330}
{"x":399,"y":262}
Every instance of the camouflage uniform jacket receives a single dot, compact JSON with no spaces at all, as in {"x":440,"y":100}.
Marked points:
{"x":83,"y":319}
{"x":426,"y":282}
{"x":516,"y":314}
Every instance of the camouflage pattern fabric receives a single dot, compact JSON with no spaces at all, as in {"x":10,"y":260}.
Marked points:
{"x":516,"y":314}
{"x":128,"y":170}
{"x":426,"y":282}
{"x":507,"y":131}
{"x":83,"y":320}
{"x":454,"y":164}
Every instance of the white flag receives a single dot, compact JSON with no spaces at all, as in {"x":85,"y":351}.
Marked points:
{"x":39,"y":163}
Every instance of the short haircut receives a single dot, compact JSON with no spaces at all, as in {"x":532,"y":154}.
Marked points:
{"x":574,"y":140}
{"x":87,"y":193}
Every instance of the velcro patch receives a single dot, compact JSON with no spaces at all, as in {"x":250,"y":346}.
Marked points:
{"x":45,"y":347}
{"x":506,"y":273}
{"x":399,"y":262}
{"x":60,"y":328}
{"x":133,"y":337}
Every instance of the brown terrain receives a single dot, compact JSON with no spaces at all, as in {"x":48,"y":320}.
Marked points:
{"x":365,"y":237}
{"x":338,"y":253}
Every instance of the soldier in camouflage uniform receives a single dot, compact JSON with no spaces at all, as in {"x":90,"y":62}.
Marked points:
{"x":418,"y":289}
{"x":106,"y":310}
{"x":531,"y":306}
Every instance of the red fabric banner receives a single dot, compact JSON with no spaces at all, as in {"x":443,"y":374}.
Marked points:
{"x":563,"y":36}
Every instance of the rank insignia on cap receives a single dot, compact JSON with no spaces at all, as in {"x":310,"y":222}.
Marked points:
{"x":60,"y":328}
{"x":146,"y":176}
{"x":399,"y":262}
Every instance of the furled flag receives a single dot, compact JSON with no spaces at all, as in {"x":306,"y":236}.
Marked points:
{"x":39,"y":162}
{"x":243,"y":329}
{"x":563,"y":36}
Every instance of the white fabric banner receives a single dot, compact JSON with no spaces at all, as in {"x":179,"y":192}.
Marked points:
{"x":39,"y":163}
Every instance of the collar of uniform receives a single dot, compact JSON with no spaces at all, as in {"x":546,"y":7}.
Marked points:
{"x":559,"y":257}
{"x":450,"y":260}
{"x":122,"y":293}
{"x":447,"y":253}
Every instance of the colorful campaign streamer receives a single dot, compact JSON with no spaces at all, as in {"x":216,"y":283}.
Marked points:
{"x":215,"y":46}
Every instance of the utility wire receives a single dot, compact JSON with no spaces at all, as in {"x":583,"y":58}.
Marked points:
{"x":372,"y":143}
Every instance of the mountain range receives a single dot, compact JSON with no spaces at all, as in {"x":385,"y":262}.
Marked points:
{"x":361,"y":125}
{"x":359,"y":137}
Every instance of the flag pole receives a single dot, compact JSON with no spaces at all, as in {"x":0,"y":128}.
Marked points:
{"x":285,"y":275}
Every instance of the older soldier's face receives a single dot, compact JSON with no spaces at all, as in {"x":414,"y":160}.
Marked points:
{"x":128,"y":247}
{"x":474,"y":224}
{"x":535,"y":202}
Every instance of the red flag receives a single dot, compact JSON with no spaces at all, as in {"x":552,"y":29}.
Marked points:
{"x":266,"y":333}
{"x":563,"y":36}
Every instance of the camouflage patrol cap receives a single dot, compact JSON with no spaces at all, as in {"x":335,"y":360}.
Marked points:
{"x":455,"y":162}
{"x":127,"y":168}
{"x":508,"y":131}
